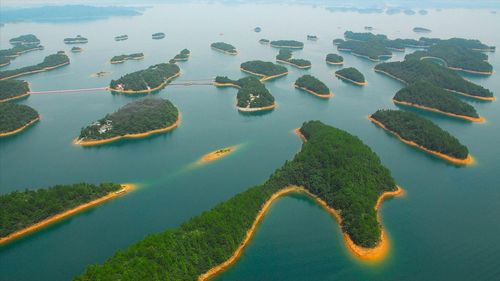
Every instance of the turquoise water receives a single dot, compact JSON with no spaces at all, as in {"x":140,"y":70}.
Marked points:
{"x":446,"y":226}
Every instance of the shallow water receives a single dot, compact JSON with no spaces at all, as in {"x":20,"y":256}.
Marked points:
{"x":446,"y":226}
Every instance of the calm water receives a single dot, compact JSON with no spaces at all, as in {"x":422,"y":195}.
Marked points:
{"x":446,"y":226}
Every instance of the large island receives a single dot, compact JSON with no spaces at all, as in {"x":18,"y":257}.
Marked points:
{"x":352,"y":75}
{"x":13,"y":89}
{"x":334,"y":168}
{"x":137,"y":119}
{"x":16,"y":117}
{"x":265,"y":70}
{"x":149,"y":80}
{"x":224,"y":48}
{"x":313,"y":86}
{"x":49,"y":62}
{"x":252,"y":93}
{"x":285,"y":56}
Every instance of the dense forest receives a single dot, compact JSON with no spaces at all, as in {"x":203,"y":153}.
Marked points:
{"x":334,"y":59}
{"x":251,"y":94}
{"x":264,"y":68}
{"x":285,"y":55}
{"x":428,"y":95}
{"x":123,"y":58}
{"x":351,"y":73}
{"x":293,"y":44}
{"x":225,"y":47}
{"x":412,"y":127}
{"x":334,"y":165}
{"x":374,"y":50}
{"x":149,"y":78}
{"x":21,"y":209}
{"x":456,"y":57}
{"x":76,"y":40}
{"x":364,"y":36}
{"x":6,"y":55}
{"x":27,"y":39}
{"x":140,"y":116}
{"x":14,"y":116}
{"x":4,"y":61}
{"x":472,"y":44}
{"x":12,"y":88}
{"x":412,"y":71}
{"x":183,"y":55}
{"x":49,"y":61}
{"x":313,"y":84}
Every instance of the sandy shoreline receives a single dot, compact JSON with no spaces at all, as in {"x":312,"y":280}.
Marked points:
{"x":125,"y":189}
{"x":352,"y":81}
{"x":467,"y":161}
{"x":35,"y":71}
{"x":226,"y":85}
{"x":464,"y":117}
{"x":18,"y":130}
{"x":254,"y":109}
{"x":264,"y":77}
{"x":285,"y":47}
{"x":294,"y":65}
{"x":335,"y":63}
{"x":217,"y":154}
{"x":16,"y":97}
{"x":129,"y":136}
{"x":161,"y":86}
{"x":457,"y":68}
{"x":327,"y":96}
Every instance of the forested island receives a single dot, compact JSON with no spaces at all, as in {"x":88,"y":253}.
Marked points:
{"x":252,"y":93}
{"x":26,"y":211}
{"x":121,"y":37}
{"x":265,"y":70}
{"x":76,"y":50}
{"x":411,"y":71}
{"x":372,"y":50}
{"x":13,"y":89}
{"x":472,"y":44}
{"x":183,"y":55}
{"x":4,"y":61}
{"x":285,"y":56}
{"x":158,"y":35}
{"x":264,"y":41}
{"x":148,"y":80}
{"x":49,"y":62}
{"x":456,"y":58}
{"x":421,"y":30}
{"x":427,"y":96}
{"x":6,"y":55}
{"x":76,"y":40}
{"x":333,"y":167}
{"x":287,"y":44}
{"x":334,"y":59}
{"x":422,"y":133}
{"x":137,"y":119}
{"x":352,"y":75}
{"x":27,"y":39}
{"x":123,"y":58}
{"x":313,"y":86}
{"x":312,"y":37}
{"x":224,"y":48}
{"x":364,"y":36}
{"x":16,"y":117}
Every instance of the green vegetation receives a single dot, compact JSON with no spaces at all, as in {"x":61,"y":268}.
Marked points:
{"x":313,"y":84}
{"x":224,"y":47}
{"x":14,"y":116}
{"x":285,"y":55}
{"x":4,"y":61}
{"x":144,"y":80}
{"x":21,"y":209}
{"x":334,"y":165}
{"x":312,"y":37}
{"x":121,"y":37}
{"x":290,"y":44}
{"x":351,"y":73}
{"x":426,"y":94}
{"x":251,"y":94}
{"x":28,"y":39}
{"x":264,"y":68}
{"x":76,"y":49}
{"x":49,"y":62}
{"x":338,"y":41}
{"x":411,"y":71}
{"x":140,"y":116}
{"x":364,"y":36}
{"x":13,"y":88}
{"x":460,"y":42}
{"x":334,"y":59}
{"x":76,"y":40}
{"x":264,"y":41}
{"x":158,"y":35}
{"x":123,"y":58}
{"x":373,"y":50}
{"x":6,"y":55}
{"x":183,"y":55}
{"x":421,"y":30}
{"x":456,"y":57}
{"x":412,"y":127}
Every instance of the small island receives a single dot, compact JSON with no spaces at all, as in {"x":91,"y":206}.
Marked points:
{"x":287,"y":44}
{"x":183,"y":55}
{"x":49,"y":62}
{"x":158,"y":35}
{"x":14,"y":118}
{"x":368,"y":28}
{"x":217,"y":154}
{"x":338,"y":41}
{"x":24,"y":212}
{"x":312,"y":37}
{"x":352,"y":75}
{"x":27,"y":39}
{"x":76,"y":50}
{"x":224,"y":48}
{"x":334,"y":168}
{"x":123,"y":58}
{"x":13,"y":89}
{"x":313,"y":86}
{"x":149,"y":80}
{"x":121,"y":37}
{"x":426,"y":96}
{"x":252,"y":93}
{"x":257,"y":29}
{"x":411,"y":71}
{"x":421,"y":30}
{"x":334,"y":59}
{"x":137,"y":119}
{"x":414,"y":130}
{"x":76,"y":40}
{"x":264,"y":41}
{"x":285,"y":56}
{"x":265,"y":70}
{"x":100,"y":74}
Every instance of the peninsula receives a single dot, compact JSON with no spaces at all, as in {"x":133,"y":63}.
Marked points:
{"x":158,"y":35}
{"x":287,"y":44}
{"x":285,"y":56}
{"x":138,"y":119}
{"x":351,"y":74}
{"x":252,"y":93}
{"x":334,"y":168}
{"x":76,"y":40}
{"x":265,"y":70}
{"x":24,"y":212}
{"x":152,"y":79}
{"x":13,"y":89}
{"x":224,"y":48}
{"x":334,"y":59}
{"x":471,"y":44}
{"x":313,"y":86}
{"x":414,"y":130}
{"x":49,"y":62}
{"x":426,"y":96}
{"x":123,"y":58}
{"x":16,"y":117}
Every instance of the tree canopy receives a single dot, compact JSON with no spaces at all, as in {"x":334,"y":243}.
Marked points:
{"x":313,"y":84}
{"x":49,"y":62}
{"x":13,"y":88}
{"x":351,"y":73}
{"x":149,"y":78}
{"x":14,"y":116}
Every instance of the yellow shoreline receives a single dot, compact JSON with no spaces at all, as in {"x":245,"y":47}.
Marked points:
{"x":226,"y":85}
{"x":217,"y":154}
{"x":128,"y":136}
{"x":467,"y":161}
{"x":464,"y":117}
{"x":18,"y":130}
{"x":335,"y":63}
{"x":264,"y":77}
{"x":254,"y":109}
{"x":457,"y":68}
{"x":161,"y":86}
{"x":125,"y":189}
{"x":35,"y":71}
{"x":225,"y":52}
{"x":126,"y":59}
{"x":16,"y":97}
{"x":284,"y":46}
{"x":295,"y":65}
{"x":352,"y":81}
{"x":327,"y":96}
